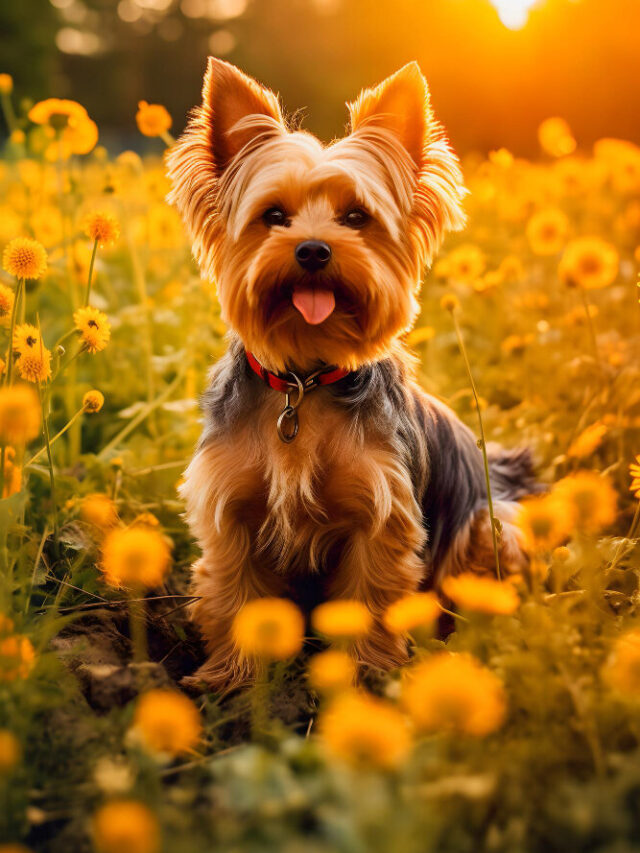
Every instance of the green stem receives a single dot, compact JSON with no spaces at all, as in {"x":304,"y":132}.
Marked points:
{"x":167,"y":138}
{"x":52,"y":480}
{"x":591,"y":326}
{"x":483,"y":444}
{"x":12,"y":326}
{"x":87,"y":295}
{"x":37,"y":455}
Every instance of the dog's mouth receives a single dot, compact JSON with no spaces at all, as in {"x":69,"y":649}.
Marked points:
{"x":314,"y":303}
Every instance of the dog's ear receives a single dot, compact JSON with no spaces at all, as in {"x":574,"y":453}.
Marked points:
{"x":401,"y":104}
{"x":238,"y":110}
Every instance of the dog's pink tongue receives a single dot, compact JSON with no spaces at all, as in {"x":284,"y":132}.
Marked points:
{"x":314,"y":304}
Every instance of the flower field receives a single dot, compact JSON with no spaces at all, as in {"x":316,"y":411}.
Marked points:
{"x":519,"y":731}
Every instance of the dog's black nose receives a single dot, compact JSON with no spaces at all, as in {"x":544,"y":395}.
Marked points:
{"x":313,"y":255}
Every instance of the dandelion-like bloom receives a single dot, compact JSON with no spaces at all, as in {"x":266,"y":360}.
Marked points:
{"x":17,"y":657}
{"x":365,"y":732}
{"x":331,"y":671}
{"x":93,"y":401}
{"x":152,"y":119}
{"x":466,"y":263}
{"x":634,"y":472}
{"x":271,"y":628}
{"x":10,"y":751}
{"x":589,"y":262}
{"x":99,"y":510}
{"x":25,"y":258}
{"x":481,"y":594}
{"x":547,"y":231}
{"x":450,"y":302}
{"x":35,"y":365}
{"x":167,"y":722}
{"x":622,"y":670}
{"x":103,"y":227}
{"x":543,"y":523}
{"x":94,"y":328}
{"x":26,"y":338}
{"x":454,"y":693}
{"x":125,"y":826}
{"x":556,"y":138}
{"x":590,"y":500}
{"x":342,"y":619}
{"x":6,"y":84}
{"x":419,"y":610}
{"x":20,"y":414}
{"x":588,"y":441}
{"x":136,"y":557}
{"x":76,"y":133}
{"x":7,"y":298}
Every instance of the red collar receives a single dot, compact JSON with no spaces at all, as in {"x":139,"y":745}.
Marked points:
{"x":333,"y":374}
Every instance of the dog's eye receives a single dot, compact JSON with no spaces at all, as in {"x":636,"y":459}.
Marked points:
{"x":356,"y":218}
{"x":274,"y":216}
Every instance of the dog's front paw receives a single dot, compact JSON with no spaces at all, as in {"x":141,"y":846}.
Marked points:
{"x":380,"y":650}
{"x":220,"y":676}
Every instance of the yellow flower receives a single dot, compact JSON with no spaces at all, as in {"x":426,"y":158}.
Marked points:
{"x":588,"y":441}
{"x":136,"y":557}
{"x":94,"y":328}
{"x":590,"y":499}
{"x":10,"y":751}
{"x":589,"y":262}
{"x":419,"y":610}
{"x":421,"y":336}
{"x":76,"y":132}
{"x":6,"y":625}
{"x":103,"y":227}
{"x":6,"y":84}
{"x":125,"y":826}
{"x":543,"y":522}
{"x":450,"y":302}
{"x":93,"y":401}
{"x":455,"y":693}
{"x":26,"y":338}
{"x":365,"y":732}
{"x":332,"y":671}
{"x":7,"y":298}
{"x":152,"y":119}
{"x":12,"y":474}
{"x":466,"y":263}
{"x":556,"y":138}
{"x":145,"y":519}
{"x":547,"y":231}
{"x":24,"y":258}
{"x":271,"y":628}
{"x":56,"y":112}
{"x":343,"y":618}
{"x":511,"y":268}
{"x":20,"y":414}
{"x":35,"y":365}
{"x":17,"y":657}
{"x":622,"y":670}
{"x":167,"y":722}
{"x":482,"y":594}
{"x":99,"y":510}
{"x":503,"y":158}
{"x":634,"y":471}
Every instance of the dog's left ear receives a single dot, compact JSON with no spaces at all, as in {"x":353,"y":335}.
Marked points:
{"x":400,"y":104}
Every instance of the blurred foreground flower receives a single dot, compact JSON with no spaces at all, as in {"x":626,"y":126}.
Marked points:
{"x":589,"y":499}
{"x":547,"y":231}
{"x":167,"y":722}
{"x":453,"y":692}
{"x":135,"y":557}
{"x":365,"y":732}
{"x":125,"y":826}
{"x":481,"y":594}
{"x":20,"y":414}
{"x":622,"y":670}
{"x":99,"y":509}
{"x":332,"y":671}
{"x":271,"y":628}
{"x":543,"y":523}
{"x":342,"y":619}
{"x":420,"y":610}
{"x":17,"y":657}
{"x":7,"y":297}
{"x":589,"y":262}
{"x":556,"y":138}
{"x":10,"y":751}
{"x":25,"y":258}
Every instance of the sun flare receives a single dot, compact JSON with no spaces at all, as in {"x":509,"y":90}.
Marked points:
{"x":514,"y":14}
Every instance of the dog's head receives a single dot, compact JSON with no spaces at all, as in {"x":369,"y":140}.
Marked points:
{"x":317,"y":251}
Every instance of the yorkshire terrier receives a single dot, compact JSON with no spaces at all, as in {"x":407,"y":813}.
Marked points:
{"x":323,"y":466}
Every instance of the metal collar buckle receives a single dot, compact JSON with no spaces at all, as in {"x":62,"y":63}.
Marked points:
{"x":287,"y":424}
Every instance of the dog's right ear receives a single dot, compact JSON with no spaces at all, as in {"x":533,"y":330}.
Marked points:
{"x":238,"y":111}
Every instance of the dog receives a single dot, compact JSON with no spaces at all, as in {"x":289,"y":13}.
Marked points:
{"x":323,"y":470}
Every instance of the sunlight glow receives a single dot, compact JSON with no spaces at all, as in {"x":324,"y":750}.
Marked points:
{"x":514,"y":14}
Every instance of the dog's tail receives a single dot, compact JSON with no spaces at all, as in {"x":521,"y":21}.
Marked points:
{"x":511,"y":472}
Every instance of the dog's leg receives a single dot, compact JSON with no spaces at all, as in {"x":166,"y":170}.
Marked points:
{"x":382,"y":559}
{"x":222,"y":490}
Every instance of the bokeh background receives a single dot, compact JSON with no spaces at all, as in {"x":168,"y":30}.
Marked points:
{"x":496,"y":67}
